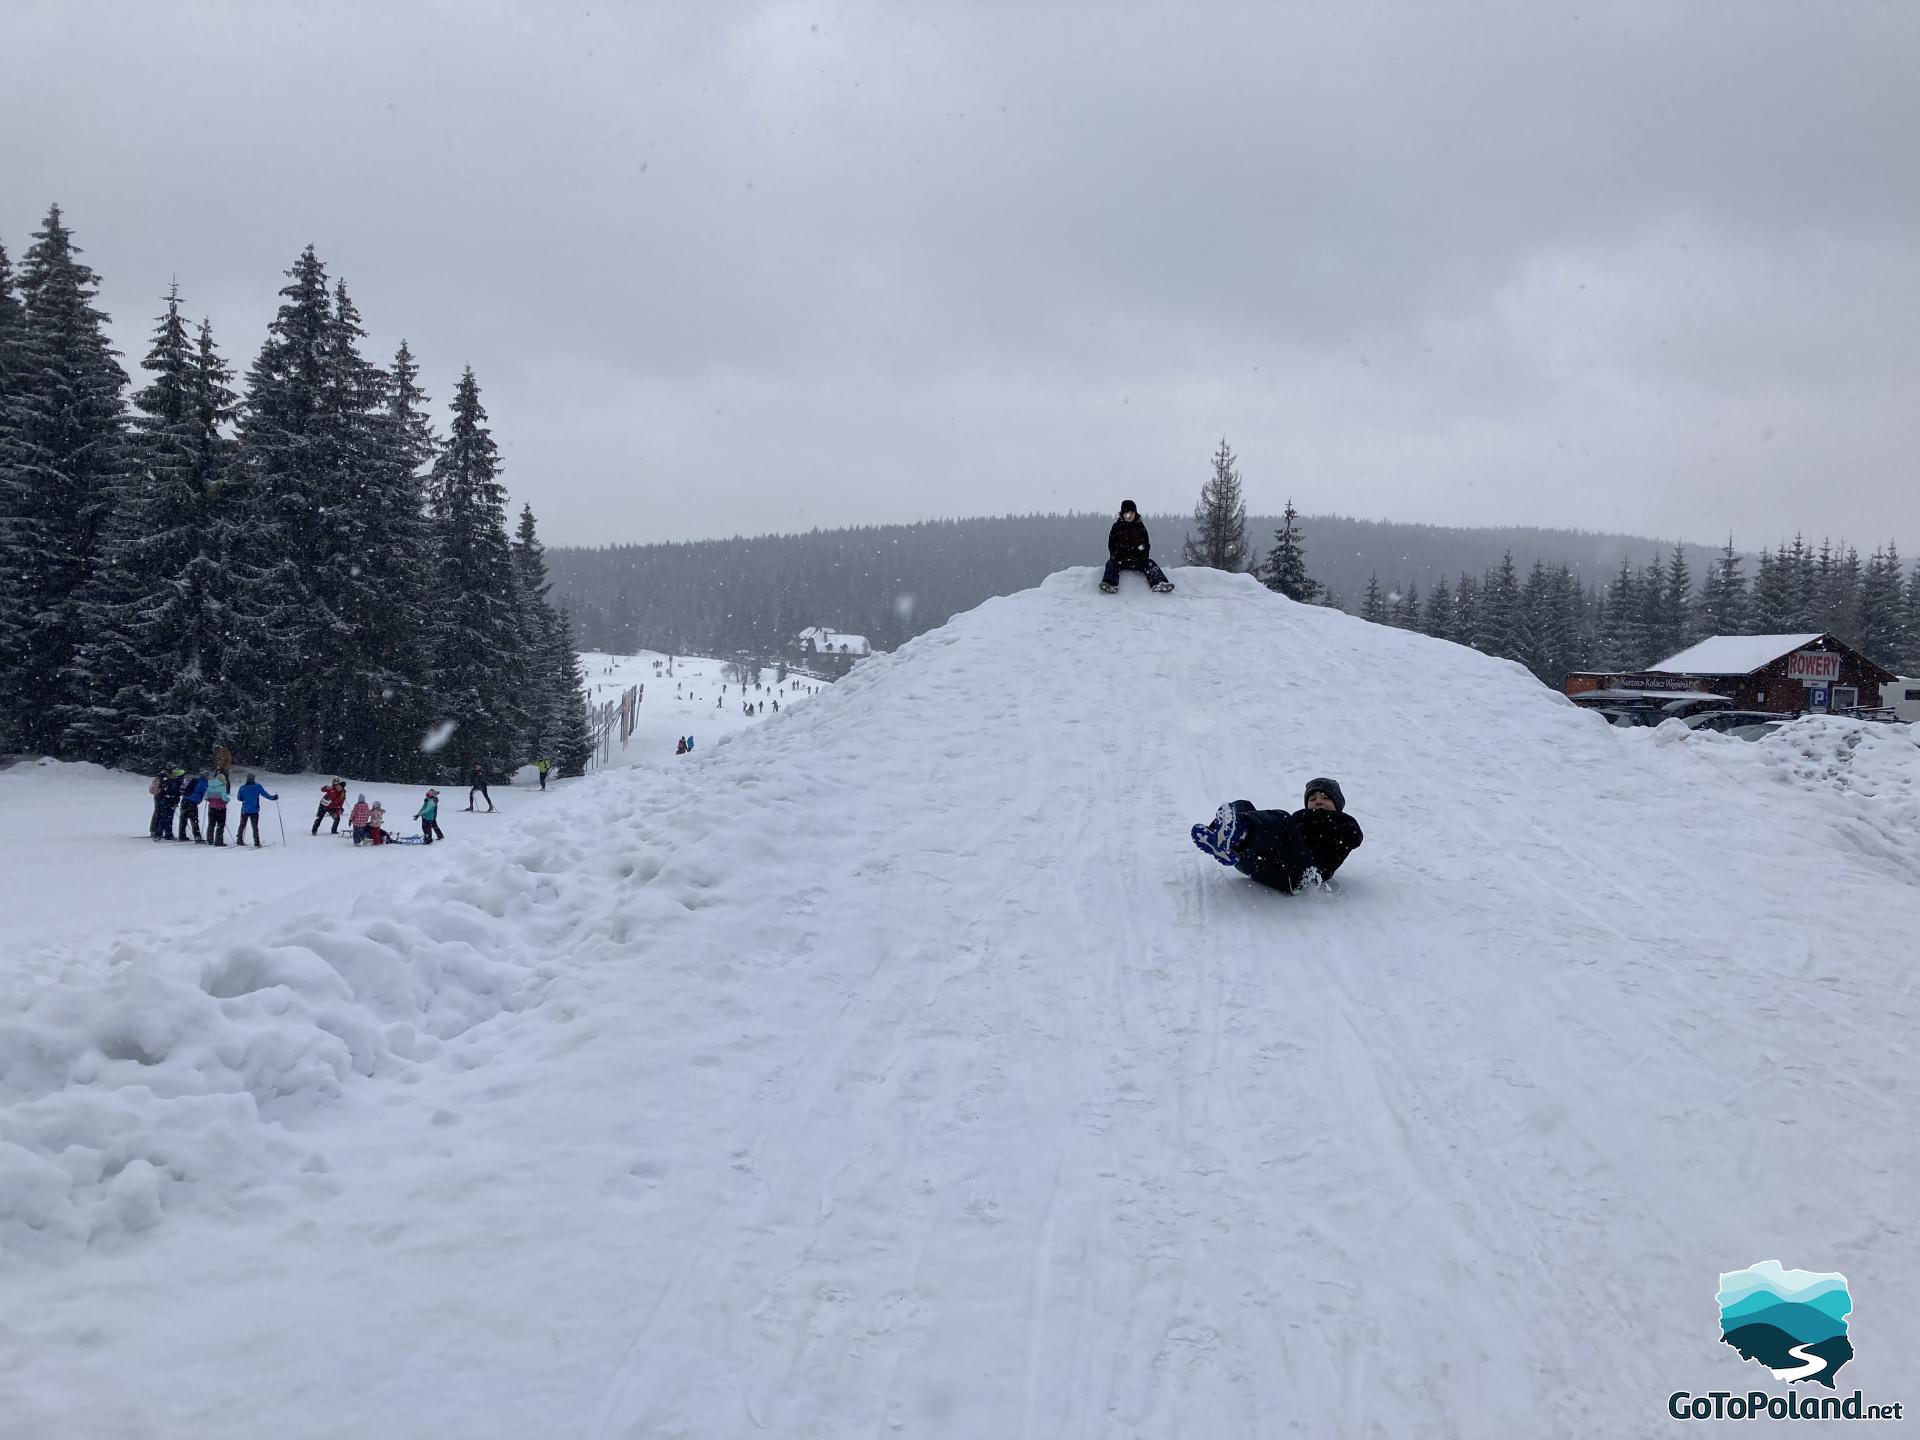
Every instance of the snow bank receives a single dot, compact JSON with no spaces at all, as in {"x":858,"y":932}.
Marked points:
{"x":183,"y":1066}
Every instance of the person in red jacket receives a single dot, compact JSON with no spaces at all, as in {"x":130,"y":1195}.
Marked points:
{"x":333,"y":800}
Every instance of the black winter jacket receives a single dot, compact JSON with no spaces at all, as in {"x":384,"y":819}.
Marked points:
{"x":1127,"y":541}
{"x":1331,"y":836}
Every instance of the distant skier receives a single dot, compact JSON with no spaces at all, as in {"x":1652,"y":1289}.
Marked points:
{"x":217,"y":809}
{"x":190,"y":799}
{"x":543,"y":766}
{"x":429,"y":817}
{"x":358,"y":820}
{"x":251,"y":794}
{"x":1128,"y":548}
{"x":479,"y":787}
{"x":1289,"y":852}
{"x":333,"y":799}
{"x":681,"y":748}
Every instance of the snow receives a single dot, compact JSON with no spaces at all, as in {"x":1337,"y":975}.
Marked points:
{"x":1732,"y":654}
{"x":899,"y":1067}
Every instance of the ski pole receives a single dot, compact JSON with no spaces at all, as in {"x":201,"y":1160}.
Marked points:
{"x":283,"y":822}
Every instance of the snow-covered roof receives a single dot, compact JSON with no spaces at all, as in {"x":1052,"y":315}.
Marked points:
{"x":823,"y":641}
{"x":1732,"y":654}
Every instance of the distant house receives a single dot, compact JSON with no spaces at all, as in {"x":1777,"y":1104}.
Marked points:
{"x":1787,"y":674}
{"x":828,"y":652}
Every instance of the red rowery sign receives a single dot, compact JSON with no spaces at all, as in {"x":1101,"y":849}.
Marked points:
{"x":1813,"y":665}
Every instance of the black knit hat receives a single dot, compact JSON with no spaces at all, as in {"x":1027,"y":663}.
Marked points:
{"x":1328,"y":788}
{"x":1126,"y":505}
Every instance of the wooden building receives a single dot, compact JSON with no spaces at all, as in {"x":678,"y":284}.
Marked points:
{"x":829,"y":653}
{"x":1785,"y":674}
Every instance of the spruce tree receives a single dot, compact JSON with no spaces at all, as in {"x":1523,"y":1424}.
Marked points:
{"x":1285,"y":568}
{"x":1466,"y":613}
{"x":1218,"y":539}
{"x":1404,"y":611}
{"x":1437,"y":619}
{"x":289,"y":540}
{"x":1879,"y":626}
{"x":1677,"y":630}
{"x":1373,"y":605}
{"x":1623,"y":641}
{"x":129,"y":605}
{"x":546,"y":699}
{"x":16,"y":426}
{"x":571,"y":744}
{"x":1723,"y":595}
{"x":1908,"y":662}
{"x":1502,"y":620}
{"x":66,"y":445}
{"x":479,"y":659}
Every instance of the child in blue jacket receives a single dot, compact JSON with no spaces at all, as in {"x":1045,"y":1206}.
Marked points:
{"x":190,"y":799}
{"x":429,"y":817}
{"x":250,"y":796}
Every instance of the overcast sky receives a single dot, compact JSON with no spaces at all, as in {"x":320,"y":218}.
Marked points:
{"x":737,"y":268}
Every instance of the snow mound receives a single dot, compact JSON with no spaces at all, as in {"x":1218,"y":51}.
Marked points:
{"x":174,"y":1070}
{"x":898,"y":1065}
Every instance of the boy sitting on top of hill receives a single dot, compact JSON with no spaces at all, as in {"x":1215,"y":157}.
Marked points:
{"x":1288,"y":852}
{"x":1127,"y":549}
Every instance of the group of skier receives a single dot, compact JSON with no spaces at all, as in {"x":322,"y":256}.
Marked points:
{"x":178,"y":796}
{"x":1289,"y":851}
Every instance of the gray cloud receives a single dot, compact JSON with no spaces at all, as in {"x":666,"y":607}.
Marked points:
{"x":729,"y":268}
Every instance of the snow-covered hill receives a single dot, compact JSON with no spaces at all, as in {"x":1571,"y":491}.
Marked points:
{"x":900,"y":1068}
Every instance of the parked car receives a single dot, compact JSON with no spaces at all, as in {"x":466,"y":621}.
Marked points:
{"x":1758,"y":731}
{"x":1693,"y":705}
{"x":1630,"y":715}
{"x":1725,"y":722}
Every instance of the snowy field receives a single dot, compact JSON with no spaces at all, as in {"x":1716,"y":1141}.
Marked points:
{"x":684,"y":703}
{"x":897,"y":1066}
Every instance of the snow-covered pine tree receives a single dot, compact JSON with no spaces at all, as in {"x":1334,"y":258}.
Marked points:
{"x":1373,"y":604}
{"x":398,"y":656}
{"x":1768,"y":603}
{"x":1404,"y":609}
{"x":15,"y":428}
{"x":1466,"y":612}
{"x":289,"y":539}
{"x":1285,"y":568}
{"x":1879,"y":626}
{"x":1908,"y":663}
{"x":478,"y":664}
{"x":1503,"y":620}
{"x":1218,"y":539}
{"x":131,"y":606}
{"x":1623,"y":639}
{"x":545,"y":702}
{"x":1837,"y":606}
{"x":1436,"y":617}
{"x":210,"y":625}
{"x":571,"y":745}
{"x":1723,"y":596}
{"x":1676,"y":604}
{"x":67,"y":450}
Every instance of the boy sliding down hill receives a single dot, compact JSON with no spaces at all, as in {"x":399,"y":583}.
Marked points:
{"x":1127,"y":549}
{"x":1288,"y":852}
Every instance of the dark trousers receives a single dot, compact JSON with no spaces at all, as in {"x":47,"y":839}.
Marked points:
{"x":430,"y":831}
{"x":543,"y":779}
{"x":216,"y":824}
{"x":161,"y":826}
{"x":322,"y":814}
{"x":250,"y":817}
{"x":1155,"y":575}
{"x":189,"y":817}
{"x":481,"y":791}
{"x":1274,"y":852}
